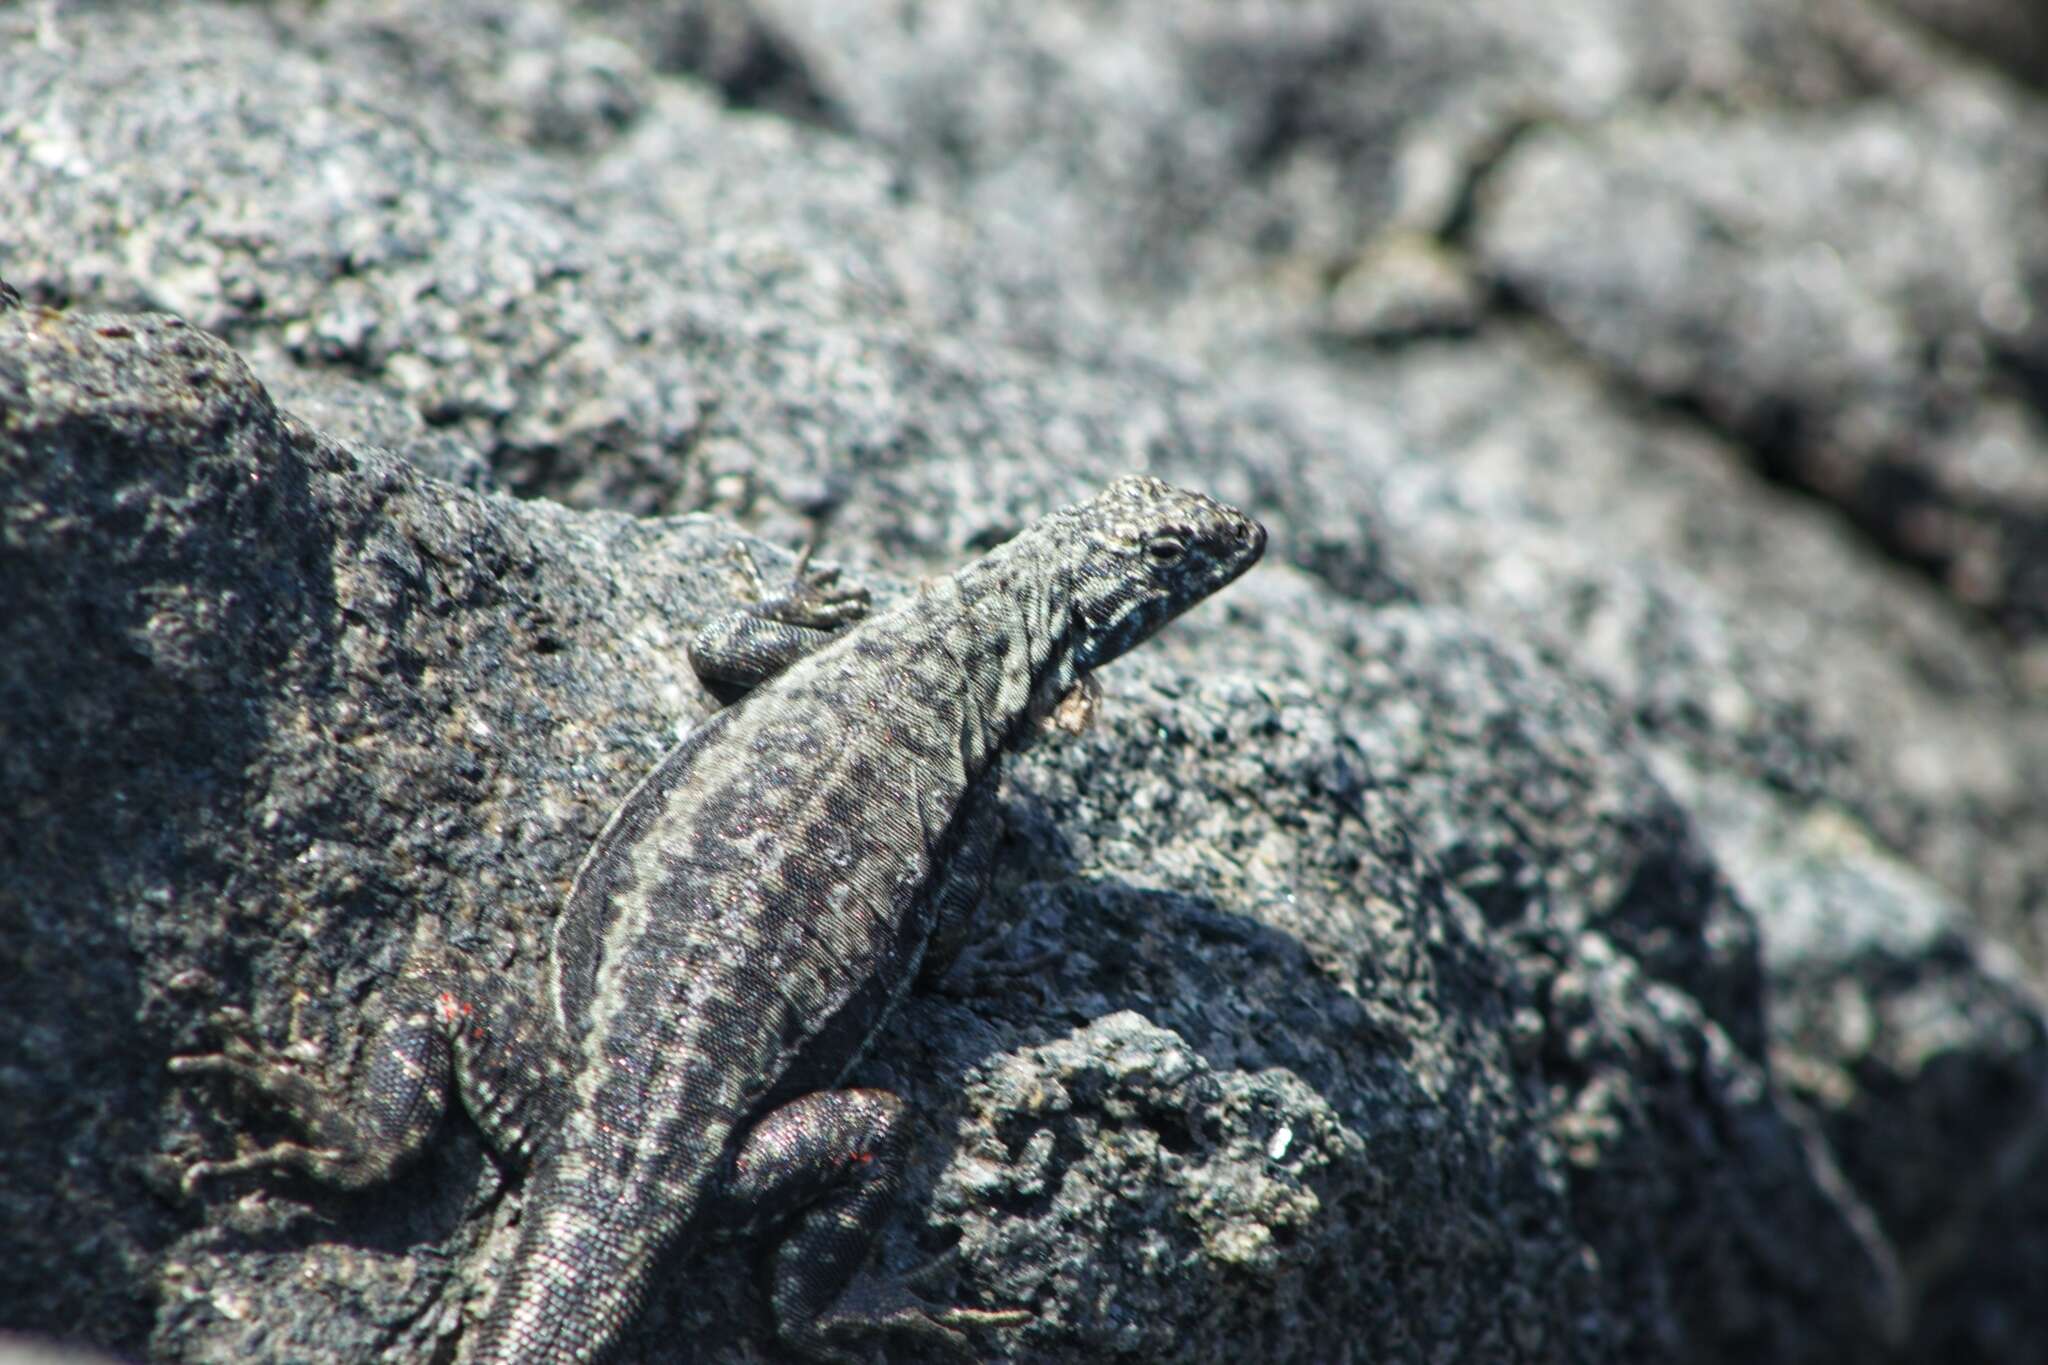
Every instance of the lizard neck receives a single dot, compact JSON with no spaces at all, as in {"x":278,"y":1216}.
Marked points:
{"x":1011,"y":628}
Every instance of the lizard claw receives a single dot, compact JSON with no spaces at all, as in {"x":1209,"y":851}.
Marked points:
{"x":948,"y":1263}
{"x":888,"y":1306}
{"x":958,"y":1316}
{"x":239,"y":1054}
{"x":274,"y":1157}
{"x":242,"y":1055}
{"x":814,"y":597}
{"x":271,"y":1073}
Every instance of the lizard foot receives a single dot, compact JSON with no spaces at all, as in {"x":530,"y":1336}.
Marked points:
{"x":871,"y":1305}
{"x":346,"y":1144}
{"x":270,"y":1073}
{"x":241,"y":1050}
{"x":814,"y":598}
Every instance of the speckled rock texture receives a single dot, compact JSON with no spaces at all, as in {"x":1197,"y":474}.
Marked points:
{"x":1583,"y":898}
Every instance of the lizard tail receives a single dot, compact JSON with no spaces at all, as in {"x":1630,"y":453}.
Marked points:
{"x":579,"y":1276}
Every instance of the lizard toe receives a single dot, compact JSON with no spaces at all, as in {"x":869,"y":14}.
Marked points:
{"x":873,"y":1306}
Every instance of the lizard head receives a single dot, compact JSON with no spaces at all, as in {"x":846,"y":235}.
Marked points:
{"x":1140,"y":553}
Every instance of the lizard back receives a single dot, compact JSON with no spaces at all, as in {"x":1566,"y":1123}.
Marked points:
{"x":753,"y":912}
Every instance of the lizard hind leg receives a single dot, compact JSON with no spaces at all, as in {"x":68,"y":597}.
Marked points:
{"x":826,"y":1168}
{"x":445,"y":1032}
{"x":353,"y":1139}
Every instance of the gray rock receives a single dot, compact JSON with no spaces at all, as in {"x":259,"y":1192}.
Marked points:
{"x":2010,"y":33}
{"x":20,"y":1350}
{"x":319,"y":703}
{"x":1846,"y":294}
{"x":1173,"y":150}
{"x":1919,"y":1049}
{"x":1558,"y":908}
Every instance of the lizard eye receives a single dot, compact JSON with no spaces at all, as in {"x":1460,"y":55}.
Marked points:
{"x":1165,"y":549}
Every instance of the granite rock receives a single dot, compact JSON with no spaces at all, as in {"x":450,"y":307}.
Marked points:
{"x":1578,"y":900}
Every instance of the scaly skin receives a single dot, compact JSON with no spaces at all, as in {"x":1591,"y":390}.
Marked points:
{"x":747,"y":922}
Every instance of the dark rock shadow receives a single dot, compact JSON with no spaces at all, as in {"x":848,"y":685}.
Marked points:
{"x":152,"y":595}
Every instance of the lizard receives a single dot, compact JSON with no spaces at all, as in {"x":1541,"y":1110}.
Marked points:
{"x":742,"y":927}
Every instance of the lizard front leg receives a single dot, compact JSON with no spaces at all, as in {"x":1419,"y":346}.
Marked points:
{"x":738,"y":651}
{"x":826,"y":1166}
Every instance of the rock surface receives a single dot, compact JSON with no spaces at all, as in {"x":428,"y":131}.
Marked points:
{"x":1581,"y":899}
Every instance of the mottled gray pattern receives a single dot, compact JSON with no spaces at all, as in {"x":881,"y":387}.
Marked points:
{"x":747,"y":921}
